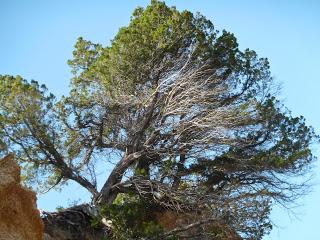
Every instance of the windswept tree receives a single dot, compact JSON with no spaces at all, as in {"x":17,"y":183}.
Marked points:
{"x":191,"y":123}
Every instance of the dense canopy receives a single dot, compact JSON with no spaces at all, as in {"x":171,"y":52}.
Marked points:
{"x":191,"y":122}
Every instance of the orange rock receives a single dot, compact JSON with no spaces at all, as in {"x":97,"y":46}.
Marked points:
{"x":19,"y":217}
{"x":170,"y":220}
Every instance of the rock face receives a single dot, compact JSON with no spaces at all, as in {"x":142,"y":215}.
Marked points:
{"x":170,"y":220}
{"x":19,"y":217}
{"x":73,"y":223}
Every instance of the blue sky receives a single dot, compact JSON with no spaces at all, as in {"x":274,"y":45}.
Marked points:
{"x":37,"y":39}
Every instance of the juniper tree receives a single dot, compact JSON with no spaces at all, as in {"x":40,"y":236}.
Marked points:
{"x":194,"y":120}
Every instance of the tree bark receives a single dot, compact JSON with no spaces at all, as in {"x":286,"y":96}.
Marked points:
{"x":106,"y":195}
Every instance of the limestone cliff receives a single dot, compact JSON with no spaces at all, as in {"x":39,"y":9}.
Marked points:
{"x":19,"y":217}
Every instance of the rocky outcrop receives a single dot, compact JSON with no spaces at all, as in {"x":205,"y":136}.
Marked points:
{"x":19,"y":217}
{"x":73,"y":223}
{"x":194,"y":225}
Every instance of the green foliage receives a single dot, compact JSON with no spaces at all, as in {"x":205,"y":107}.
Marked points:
{"x":154,"y":34}
{"x":286,"y":152}
{"x":26,"y":109}
{"x":132,"y":218}
{"x":110,"y":109}
{"x":60,"y":209}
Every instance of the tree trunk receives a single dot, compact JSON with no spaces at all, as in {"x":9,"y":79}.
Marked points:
{"x":106,"y":195}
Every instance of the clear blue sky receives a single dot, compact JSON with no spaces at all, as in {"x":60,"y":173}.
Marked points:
{"x":37,"y":38}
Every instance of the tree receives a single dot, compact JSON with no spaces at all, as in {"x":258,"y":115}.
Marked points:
{"x":194,"y":121}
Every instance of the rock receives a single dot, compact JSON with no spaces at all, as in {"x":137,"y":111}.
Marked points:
{"x":19,"y":217}
{"x":73,"y":223}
